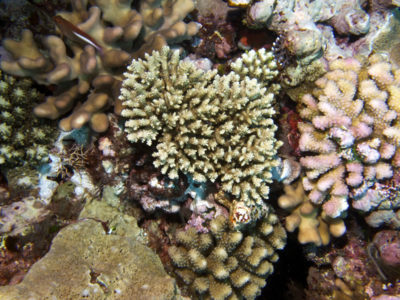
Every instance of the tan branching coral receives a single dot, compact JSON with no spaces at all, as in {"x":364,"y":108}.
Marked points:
{"x":23,"y":137}
{"x":225,"y":263}
{"x":314,"y":226}
{"x":260,"y":65}
{"x":208,"y":126}
{"x":350,"y":134}
{"x":120,"y":33}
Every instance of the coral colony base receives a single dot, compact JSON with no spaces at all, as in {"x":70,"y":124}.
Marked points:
{"x":174,"y":149}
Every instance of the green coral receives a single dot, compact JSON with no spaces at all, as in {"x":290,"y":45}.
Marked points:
{"x":226,"y":263}
{"x":23,"y":136}
{"x":208,"y":126}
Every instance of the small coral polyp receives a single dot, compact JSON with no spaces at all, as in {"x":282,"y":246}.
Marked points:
{"x":226,"y":263}
{"x":350,"y":134}
{"x":207,"y":126}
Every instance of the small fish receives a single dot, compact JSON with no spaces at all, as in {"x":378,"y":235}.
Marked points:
{"x":75,"y":34}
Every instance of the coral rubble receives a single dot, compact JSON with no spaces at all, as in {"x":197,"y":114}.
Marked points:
{"x":120,"y":33}
{"x":225,"y":263}
{"x":207,"y":126}
{"x":350,"y":134}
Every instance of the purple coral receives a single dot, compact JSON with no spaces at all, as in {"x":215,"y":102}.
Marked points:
{"x":348,"y":135}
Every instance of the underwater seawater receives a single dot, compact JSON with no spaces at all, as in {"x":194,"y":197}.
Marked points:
{"x":200,"y":149}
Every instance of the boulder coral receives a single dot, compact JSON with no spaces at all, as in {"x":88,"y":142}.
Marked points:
{"x":86,"y":262}
{"x":118,"y":32}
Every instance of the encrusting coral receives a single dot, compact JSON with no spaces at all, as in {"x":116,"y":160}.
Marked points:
{"x":23,"y":137}
{"x":207,"y":126}
{"x":226,"y":263}
{"x":350,"y":134}
{"x":17,"y":217}
{"x":120,"y":33}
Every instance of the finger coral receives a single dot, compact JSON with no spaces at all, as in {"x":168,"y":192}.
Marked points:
{"x":23,"y":137}
{"x":225,"y":263}
{"x":118,"y":32}
{"x":350,"y":134}
{"x":207,"y":126}
{"x":313,"y":226}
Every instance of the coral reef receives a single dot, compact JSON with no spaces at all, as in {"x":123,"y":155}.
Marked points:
{"x":217,"y":38}
{"x":386,"y":208}
{"x":115,"y":31}
{"x":198,"y":152}
{"x":156,"y":191}
{"x":24,"y":138}
{"x":204,"y":125}
{"x":349,"y":135}
{"x":313,"y":29}
{"x":347,"y":271}
{"x":226,"y":264}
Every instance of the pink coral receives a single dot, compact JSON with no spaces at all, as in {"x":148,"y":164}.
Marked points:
{"x":349,"y":135}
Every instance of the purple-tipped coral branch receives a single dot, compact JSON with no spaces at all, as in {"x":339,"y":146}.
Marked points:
{"x":350,"y":134}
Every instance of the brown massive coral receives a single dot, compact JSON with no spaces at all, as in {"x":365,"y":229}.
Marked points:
{"x":77,"y":67}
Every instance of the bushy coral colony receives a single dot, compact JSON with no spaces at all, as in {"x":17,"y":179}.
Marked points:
{"x":208,"y":126}
{"x":180,"y":176}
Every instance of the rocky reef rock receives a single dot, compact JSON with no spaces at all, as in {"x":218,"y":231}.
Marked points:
{"x":90,"y":260}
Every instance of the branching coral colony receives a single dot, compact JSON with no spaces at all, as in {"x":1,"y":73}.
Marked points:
{"x":350,"y":138}
{"x":225,"y":263}
{"x":118,"y":29}
{"x":211,"y":127}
